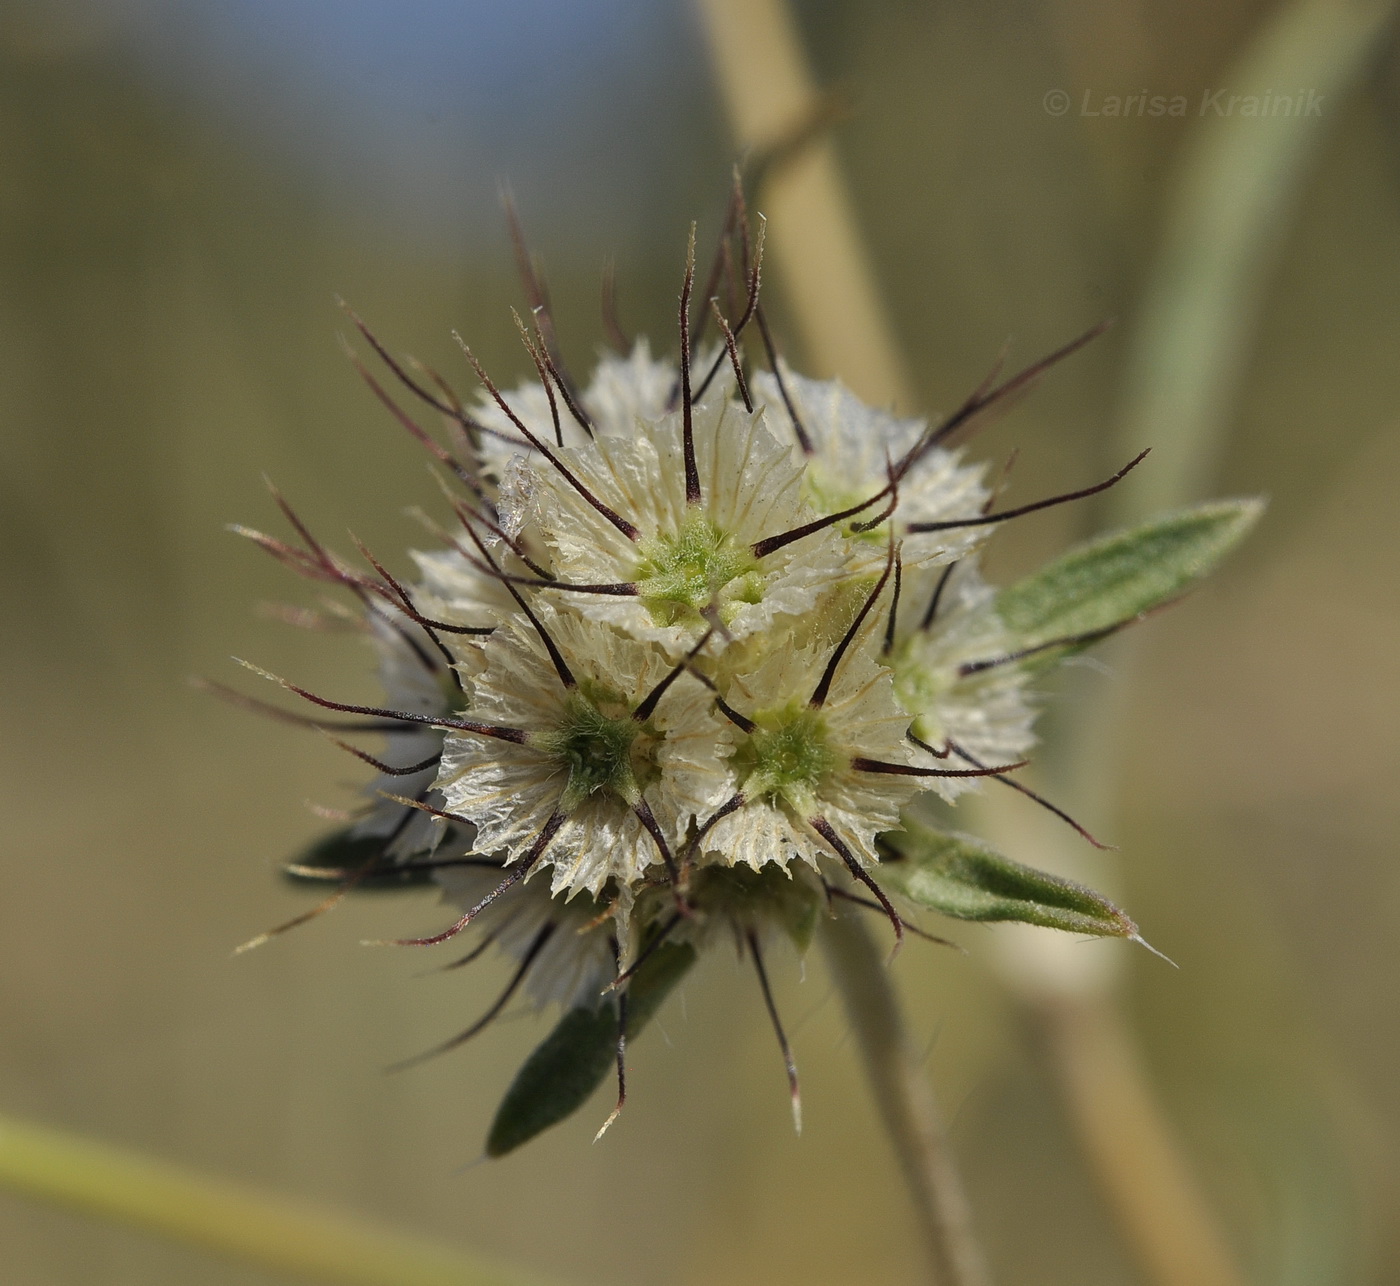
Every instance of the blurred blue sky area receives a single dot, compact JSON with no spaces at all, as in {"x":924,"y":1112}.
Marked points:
{"x":415,"y":109}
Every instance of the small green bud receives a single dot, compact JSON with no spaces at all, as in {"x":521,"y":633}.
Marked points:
{"x":595,"y":746}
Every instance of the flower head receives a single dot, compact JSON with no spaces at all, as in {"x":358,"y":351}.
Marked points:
{"x":850,"y":450}
{"x":700,"y":637}
{"x":683,"y":561}
{"x":617,"y":754}
{"x":802,"y":766}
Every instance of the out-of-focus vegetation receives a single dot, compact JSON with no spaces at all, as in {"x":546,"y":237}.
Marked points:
{"x":166,"y":278}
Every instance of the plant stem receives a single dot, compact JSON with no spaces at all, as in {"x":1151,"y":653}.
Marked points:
{"x":768,"y":91}
{"x":1129,"y":1143}
{"x":1235,"y":190}
{"x":813,"y":239}
{"x":276,"y":1233}
{"x":906,"y":1102}
{"x":1227,"y":212}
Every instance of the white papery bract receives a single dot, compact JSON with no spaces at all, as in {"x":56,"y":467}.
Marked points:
{"x":853,"y":446}
{"x":796,"y":765}
{"x":584,"y":756}
{"x":987,"y":713}
{"x":570,"y":944}
{"x":687,"y":557}
{"x":623,"y":391}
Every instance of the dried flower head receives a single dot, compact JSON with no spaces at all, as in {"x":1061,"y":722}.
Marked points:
{"x":699,"y":638}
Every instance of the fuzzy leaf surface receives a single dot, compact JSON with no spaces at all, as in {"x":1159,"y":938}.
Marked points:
{"x":964,"y":878}
{"x":323,"y":861}
{"x":1109,"y":582}
{"x":576,"y":1057}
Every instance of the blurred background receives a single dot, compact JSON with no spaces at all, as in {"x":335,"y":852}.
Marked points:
{"x":184,"y":187}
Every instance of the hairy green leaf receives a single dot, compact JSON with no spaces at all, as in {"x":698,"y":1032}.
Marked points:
{"x":965,"y":879}
{"x":340,"y":854}
{"x":337,"y":856}
{"x":654,"y":981}
{"x":576,"y":1057}
{"x":1100,"y":586}
{"x":558,"y":1077}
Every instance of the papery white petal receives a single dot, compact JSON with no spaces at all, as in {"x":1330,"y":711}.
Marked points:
{"x":575,"y":963}
{"x":751,"y":488}
{"x":510,"y":791}
{"x":990,"y":713}
{"x":853,"y":445}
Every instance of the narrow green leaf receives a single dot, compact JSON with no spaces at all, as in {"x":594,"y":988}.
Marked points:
{"x":558,"y":1078}
{"x":654,"y":981}
{"x":964,"y":878}
{"x":576,"y":1057}
{"x":328,"y":860}
{"x":281,"y":1237}
{"x":1108,"y":582}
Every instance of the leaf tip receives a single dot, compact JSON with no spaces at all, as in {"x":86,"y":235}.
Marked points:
{"x":1135,"y":936}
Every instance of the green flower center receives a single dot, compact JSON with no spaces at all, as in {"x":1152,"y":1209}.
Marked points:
{"x":919,"y":687}
{"x":600,"y":746}
{"x":786,"y":756}
{"x":831,"y":495}
{"x":681,"y":573}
